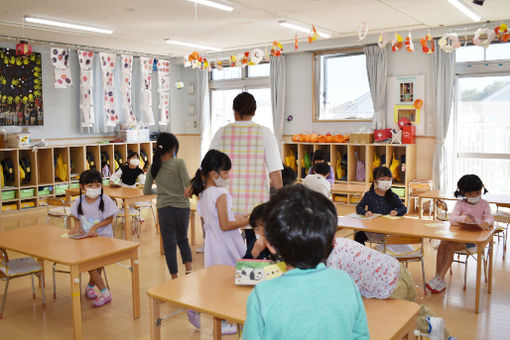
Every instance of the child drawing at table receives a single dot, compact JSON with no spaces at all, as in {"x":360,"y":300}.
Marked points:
{"x":379,"y":200}
{"x":472,"y":210}
{"x":93,"y":212}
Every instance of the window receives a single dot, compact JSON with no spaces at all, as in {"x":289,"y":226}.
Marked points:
{"x":343,"y":92}
{"x":476,"y":53}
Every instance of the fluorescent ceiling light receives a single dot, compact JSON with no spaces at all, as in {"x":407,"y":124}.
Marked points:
{"x":200,"y":47}
{"x":67,"y":25}
{"x":468,"y":11}
{"x":304,"y":29}
{"x":213,"y":5}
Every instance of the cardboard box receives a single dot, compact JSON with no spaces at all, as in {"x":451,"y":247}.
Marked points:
{"x":18,"y":140}
{"x":361,"y":138}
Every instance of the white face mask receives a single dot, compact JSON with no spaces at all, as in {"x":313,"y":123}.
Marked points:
{"x":220,"y":182}
{"x":257,"y":236}
{"x":93,"y":193}
{"x":134,"y":161}
{"x":384,"y":185}
{"x":473,"y":200}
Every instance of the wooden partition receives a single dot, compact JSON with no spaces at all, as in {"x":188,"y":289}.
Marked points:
{"x":45,"y":166}
{"x":93,"y":157}
{"x":78,"y":161}
{"x":31,"y":169}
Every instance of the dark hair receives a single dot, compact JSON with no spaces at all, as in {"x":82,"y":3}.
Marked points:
{"x":130,"y":155}
{"x":258,"y":215}
{"x":87,"y":177}
{"x":166,"y":142}
{"x":244,"y":104}
{"x":382,"y":171}
{"x":300,"y":224}
{"x":289,"y":176}
{"x":469,"y":183}
{"x":214,"y":160}
{"x":321,"y":168}
{"x":319,"y":155}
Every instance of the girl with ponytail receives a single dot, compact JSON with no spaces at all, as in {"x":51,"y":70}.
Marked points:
{"x":93,"y":213}
{"x":171,"y":177}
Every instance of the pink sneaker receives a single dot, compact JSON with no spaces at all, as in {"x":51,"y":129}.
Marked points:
{"x":102,"y":300}
{"x":90,"y":293}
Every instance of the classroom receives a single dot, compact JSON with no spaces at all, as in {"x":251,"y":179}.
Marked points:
{"x":159,"y":160}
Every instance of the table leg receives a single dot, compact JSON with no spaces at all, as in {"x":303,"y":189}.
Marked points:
{"x":491,"y":264}
{"x":127,"y":221}
{"x":42,"y":277}
{"x":420,"y":206}
{"x":76,"y":304}
{"x":193,"y":227}
{"x":135,"y":284}
{"x":216,"y":328}
{"x":154,"y":315}
{"x":479,"y":260}
{"x":434,"y":209}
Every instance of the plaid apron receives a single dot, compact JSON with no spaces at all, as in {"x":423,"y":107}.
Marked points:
{"x":248,"y":184}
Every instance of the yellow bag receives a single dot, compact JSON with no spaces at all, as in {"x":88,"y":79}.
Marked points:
{"x":338,"y":166}
{"x":375,"y":163}
{"x":395,"y":164}
{"x":115,"y":165}
{"x":61,"y":169}
{"x":142,"y":163}
{"x":21,"y":173}
{"x":290,"y":160}
{"x":1,"y":176}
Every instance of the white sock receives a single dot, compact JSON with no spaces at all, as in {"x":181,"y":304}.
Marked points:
{"x":105,"y":292}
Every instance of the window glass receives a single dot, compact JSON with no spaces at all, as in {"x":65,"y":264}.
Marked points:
{"x":469,"y":53}
{"x":226,"y":73}
{"x":260,"y":70}
{"x":498,"y":52}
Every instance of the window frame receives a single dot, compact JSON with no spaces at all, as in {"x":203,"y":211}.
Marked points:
{"x":316,"y":82}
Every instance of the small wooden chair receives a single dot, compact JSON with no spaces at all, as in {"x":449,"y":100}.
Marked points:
{"x":58,"y":209}
{"x":469,"y":252}
{"x":11,"y":269}
{"x":503,"y":217}
{"x":441,"y":209}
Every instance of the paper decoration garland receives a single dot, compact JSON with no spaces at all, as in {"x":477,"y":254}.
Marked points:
{"x":146,"y":92}
{"x":382,"y":41}
{"x":296,"y":44}
{"x":164,"y":91}
{"x":107,"y":67}
{"x":256,"y":56}
{"x":449,"y":42}
{"x":478,"y":41}
{"x":126,"y":104}
{"x":219,"y":65}
{"x":85,"y":59}
{"x":277,"y":48}
{"x":425,"y":44}
{"x":397,"y":42}
{"x":313,"y":37}
{"x":60,"y":61}
{"x":502,"y":32}
{"x":409,"y":43}
{"x":362,"y":31}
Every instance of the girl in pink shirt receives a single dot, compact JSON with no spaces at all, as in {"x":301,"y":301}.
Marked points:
{"x":472,"y":209}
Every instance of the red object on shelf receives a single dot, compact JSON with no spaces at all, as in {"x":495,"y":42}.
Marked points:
{"x":23,"y":49}
{"x":409,"y":134}
{"x":383,"y":134}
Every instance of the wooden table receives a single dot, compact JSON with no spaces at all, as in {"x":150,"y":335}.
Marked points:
{"x":127,"y":195}
{"x":494,"y":198}
{"x":212,"y":291}
{"x":46,"y":243}
{"x":407,"y":226}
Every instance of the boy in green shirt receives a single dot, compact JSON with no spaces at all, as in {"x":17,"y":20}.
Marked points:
{"x":310,"y":301}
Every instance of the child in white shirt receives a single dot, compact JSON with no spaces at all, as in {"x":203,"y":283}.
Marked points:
{"x":317,"y":181}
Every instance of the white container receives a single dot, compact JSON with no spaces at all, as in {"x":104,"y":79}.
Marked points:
{"x":133,"y":136}
{"x":18,"y":140}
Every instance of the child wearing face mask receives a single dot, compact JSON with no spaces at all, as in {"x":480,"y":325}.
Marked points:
{"x":130,"y":172}
{"x":94,"y":212}
{"x":379,"y":200}
{"x":471,"y":209}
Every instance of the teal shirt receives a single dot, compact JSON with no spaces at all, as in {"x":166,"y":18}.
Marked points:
{"x":319,"y":303}
{"x":171,"y":181}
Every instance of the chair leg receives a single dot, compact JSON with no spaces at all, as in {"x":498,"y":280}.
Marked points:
{"x":4,"y":298}
{"x":465,"y":271}
{"x":105,"y":278}
{"x":54,"y":282}
{"x":423,"y":276}
{"x":42,"y":291}
{"x":33,"y":286}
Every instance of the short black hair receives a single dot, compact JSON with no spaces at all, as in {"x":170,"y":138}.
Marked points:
{"x":469,"y":183}
{"x":245,"y":104}
{"x":321,"y":168}
{"x":289,"y":176}
{"x":300,"y":224}
{"x":319,"y":155}
{"x":257,"y":215}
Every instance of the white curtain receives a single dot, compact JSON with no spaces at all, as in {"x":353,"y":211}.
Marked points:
{"x":444,"y":84}
{"x":278,"y":88}
{"x":204,"y":111}
{"x":377,"y":71}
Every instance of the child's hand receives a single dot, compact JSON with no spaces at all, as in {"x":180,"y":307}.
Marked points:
{"x":393,"y":213}
{"x":468,"y":219}
{"x":92,"y":231}
{"x":369,"y":214}
{"x":259,"y":246}
{"x":485,"y":226}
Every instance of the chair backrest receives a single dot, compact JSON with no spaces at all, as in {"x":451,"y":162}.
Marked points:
{"x":59,"y":202}
{"x":4,"y":259}
{"x":441,"y":205}
{"x":397,"y":239}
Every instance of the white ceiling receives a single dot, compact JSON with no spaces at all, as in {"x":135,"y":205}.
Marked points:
{"x":142,"y":26}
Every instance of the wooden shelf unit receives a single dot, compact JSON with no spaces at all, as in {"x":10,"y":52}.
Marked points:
{"x":42,"y":163}
{"x":365,"y":153}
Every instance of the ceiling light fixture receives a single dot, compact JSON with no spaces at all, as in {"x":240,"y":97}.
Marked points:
{"x":468,"y":11}
{"x":198,"y":46}
{"x":303,"y":29}
{"x":67,"y":25}
{"x":213,"y":5}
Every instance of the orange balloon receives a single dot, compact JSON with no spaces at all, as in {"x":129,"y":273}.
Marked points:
{"x":418,"y":103}
{"x":314,"y":138}
{"x":322,"y":139}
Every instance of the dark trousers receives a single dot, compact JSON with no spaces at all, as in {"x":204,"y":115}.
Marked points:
{"x":360,"y":237}
{"x":173,"y":224}
{"x":249,"y":234}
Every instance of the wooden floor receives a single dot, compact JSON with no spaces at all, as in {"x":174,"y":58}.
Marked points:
{"x":25,"y":318}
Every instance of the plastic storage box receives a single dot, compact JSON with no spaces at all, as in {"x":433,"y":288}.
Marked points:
{"x":60,"y":189}
{"x":18,"y":140}
{"x":30,"y":192}
{"x":8,"y":195}
{"x":43,"y":191}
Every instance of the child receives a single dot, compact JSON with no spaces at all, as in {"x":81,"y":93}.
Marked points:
{"x":129,"y":172}
{"x":223,"y":242}
{"x":171,"y":178}
{"x":319,"y":156}
{"x":472,"y":209}
{"x":317,"y":181}
{"x":309,"y":300}
{"x":94,"y":212}
{"x":380,"y":200}
{"x":289,"y":176}
{"x":381,"y":276}
{"x":258,"y":248}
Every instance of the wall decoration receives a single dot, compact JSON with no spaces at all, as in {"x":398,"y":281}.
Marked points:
{"x":296,"y":43}
{"x":409,"y":112}
{"x":425,"y":41}
{"x":21,"y":100}
{"x":107,"y":67}
{"x":164,"y":91}
{"x":449,"y":42}
{"x":409,"y":43}
{"x":362,"y":31}
{"x":382,"y":41}
{"x":311,"y":38}
{"x":126,"y":104}
{"x":502,"y":32}
{"x":277,"y":48}
{"x":489,"y":37}
{"x":60,"y":61}
{"x":85,"y":59}
{"x":397,"y":43}
{"x":146,"y":66}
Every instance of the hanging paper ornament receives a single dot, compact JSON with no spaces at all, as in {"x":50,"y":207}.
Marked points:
{"x":233,"y":61}
{"x":267,"y":56}
{"x":478,"y":41}
{"x":409,"y":43}
{"x":219,"y":65}
{"x":186,"y":62}
{"x":362,"y":31}
{"x":277,"y":49}
{"x":193,"y":56}
{"x":126,"y":103}
{"x":85,"y":59}
{"x":449,"y":42}
{"x":502,"y":32}
{"x":382,"y":41}
{"x":60,"y":59}
{"x":179,"y":85}
{"x":245,"y":58}
{"x":397,"y":42}
{"x":256,"y":56}
{"x":146,"y":66}
{"x":296,"y":44}
{"x":425,"y":41}
{"x":107,"y":67}
{"x":314,"y":36}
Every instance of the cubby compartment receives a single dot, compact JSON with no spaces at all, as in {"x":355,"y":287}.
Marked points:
{"x":45,"y":166}
{"x":44,"y":190}
{"x":305,"y":152}
{"x":395,"y":155}
{"x":78,"y":161}
{"x":28,"y":163}
{"x":28,"y":204}
{"x":93,"y":159}
{"x":339,"y":163}
{"x":119,"y":154}
{"x":107,"y":160}
{"x":134,"y":148}
{"x":9,"y":160}
{"x":61,"y":171}
{"x":145,"y":149}
{"x":357,"y":169}
{"x":10,"y":206}
{"x":290,"y":156}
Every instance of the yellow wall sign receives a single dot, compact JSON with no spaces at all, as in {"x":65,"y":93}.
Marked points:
{"x":407,"y":111}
